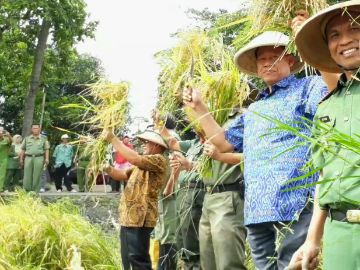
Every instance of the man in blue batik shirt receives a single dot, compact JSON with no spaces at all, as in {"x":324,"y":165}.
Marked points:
{"x":271,"y":158}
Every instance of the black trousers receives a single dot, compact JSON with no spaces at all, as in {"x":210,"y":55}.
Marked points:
{"x":60,"y":173}
{"x":134,"y":249}
{"x":167,"y":258}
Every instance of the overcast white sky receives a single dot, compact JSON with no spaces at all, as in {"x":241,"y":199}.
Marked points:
{"x":130,"y":32}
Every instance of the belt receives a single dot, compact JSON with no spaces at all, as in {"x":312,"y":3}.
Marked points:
{"x":38,"y":155}
{"x":351,"y":216}
{"x":195,"y":184}
{"x":237,"y":186}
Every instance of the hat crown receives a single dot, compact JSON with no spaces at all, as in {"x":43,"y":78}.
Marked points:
{"x":272,"y":38}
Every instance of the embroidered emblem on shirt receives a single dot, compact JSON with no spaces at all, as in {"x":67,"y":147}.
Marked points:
{"x":325,"y":119}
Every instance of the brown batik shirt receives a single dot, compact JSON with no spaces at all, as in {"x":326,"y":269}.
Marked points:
{"x":138,"y":203}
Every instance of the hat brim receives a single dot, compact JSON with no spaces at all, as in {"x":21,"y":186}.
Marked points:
{"x":310,"y":41}
{"x":153,"y":137}
{"x":245,"y":59}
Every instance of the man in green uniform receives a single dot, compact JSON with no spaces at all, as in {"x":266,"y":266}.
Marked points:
{"x":330,"y":41}
{"x":13,"y":174}
{"x":5,"y":142}
{"x":82,"y":160}
{"x":34,"y":156}
{"x":189,"y":201}
{"x":222,"y":231}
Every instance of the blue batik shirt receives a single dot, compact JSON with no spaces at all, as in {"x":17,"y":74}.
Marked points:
{"x":270,"y":158}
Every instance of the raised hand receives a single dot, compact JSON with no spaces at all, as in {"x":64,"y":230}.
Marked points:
{"x":192,"y":99}
{"x":298,"y":21}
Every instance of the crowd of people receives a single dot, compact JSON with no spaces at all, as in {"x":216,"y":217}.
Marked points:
{"x":25,"y":162}
{"x":202,"y":222}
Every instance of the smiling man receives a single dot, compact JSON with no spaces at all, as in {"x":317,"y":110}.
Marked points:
{"x":268,"y":162}
{"x":330,"y":41}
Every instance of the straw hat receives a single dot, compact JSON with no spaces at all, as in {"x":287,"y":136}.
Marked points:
{"x":65,"y":136}
{"x":154,"y":137}
{"x":245,"y":58}
{"x":310,"y":39}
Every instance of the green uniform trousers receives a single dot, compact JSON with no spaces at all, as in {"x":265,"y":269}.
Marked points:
{"x":222,"y":232}
{"x":12,"y":180}
{"x":3,"y":168}
{"x":189,"y":207}
{"x":33,"y":168}
{"x":341,"y":248}
{"x":81,"y":176}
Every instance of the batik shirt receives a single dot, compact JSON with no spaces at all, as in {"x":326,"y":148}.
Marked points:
{"x":271,"y":157}
{"x":139,"y":202}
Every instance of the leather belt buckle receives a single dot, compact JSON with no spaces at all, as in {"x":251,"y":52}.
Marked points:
{"x":353,"y":216}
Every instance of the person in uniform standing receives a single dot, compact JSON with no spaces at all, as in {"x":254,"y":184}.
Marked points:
{"x":330,"y":41}
{"x":5,"y":142}
{"x":13,"y":174}
{"x":34,"y":158}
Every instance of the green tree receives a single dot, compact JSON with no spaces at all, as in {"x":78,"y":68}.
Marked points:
{"x":34,"y":22}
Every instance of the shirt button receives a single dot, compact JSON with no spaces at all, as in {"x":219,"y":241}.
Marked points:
{"x":346,"y":119}
{"x":348,"y":93}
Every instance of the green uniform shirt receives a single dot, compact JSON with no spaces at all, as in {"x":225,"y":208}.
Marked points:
{"x":35,"y":145}
{"x":341,"y":111}
{"x":14,"y":160}
{"x":223,"y":173}
{"x":4,"y":148}
{"x":83,"y":156}
{"x":193,"y":150}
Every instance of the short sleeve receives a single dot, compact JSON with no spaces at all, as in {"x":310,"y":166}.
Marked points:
{"x":153,"y":163}
{"x":235,"y":134}
{"x":186,"y":145}
{"x":47,"y":145}
{"x":317,"y":153}
{"x":316,"y":91}
{"x":23,"y":145}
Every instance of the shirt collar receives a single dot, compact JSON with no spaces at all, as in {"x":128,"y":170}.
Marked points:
{"x":284,"y":83}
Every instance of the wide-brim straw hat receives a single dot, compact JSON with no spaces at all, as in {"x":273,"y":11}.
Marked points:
{"x":245,"y":58}
{"x":152,"y":136}
{"x":310,"y":39}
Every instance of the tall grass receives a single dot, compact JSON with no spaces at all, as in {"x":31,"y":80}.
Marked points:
{"x":35,"y":236}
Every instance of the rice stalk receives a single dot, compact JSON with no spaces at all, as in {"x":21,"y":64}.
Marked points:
{"x":35,"y":236}
{"x":105,"y":106}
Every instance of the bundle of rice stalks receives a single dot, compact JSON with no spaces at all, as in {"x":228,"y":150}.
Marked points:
{"x":179,"y":66}
{"x":222,"y":88}
{"x":35,"y":236}
{"x":105,"y":107}
{"x":276,"y":15}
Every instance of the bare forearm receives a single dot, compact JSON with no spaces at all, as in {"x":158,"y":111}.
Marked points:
{"x":316,"y":228}
{"x":172,"y":142}
{"x":213,"y":131}
{"x":46,"y":154}
{"x":130,"y":155}
{"x":118,"y":175}
{"x":169,"y":189}
{"x":229,"y":158}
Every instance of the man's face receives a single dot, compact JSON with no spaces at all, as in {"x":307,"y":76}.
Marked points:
{"x":150,"y":148}
{"x":272,"y":64}
{"x":35,"y":130}
{"x":65,"y":141}
{"x":126,"y":140}
{"x":343,"y":37}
